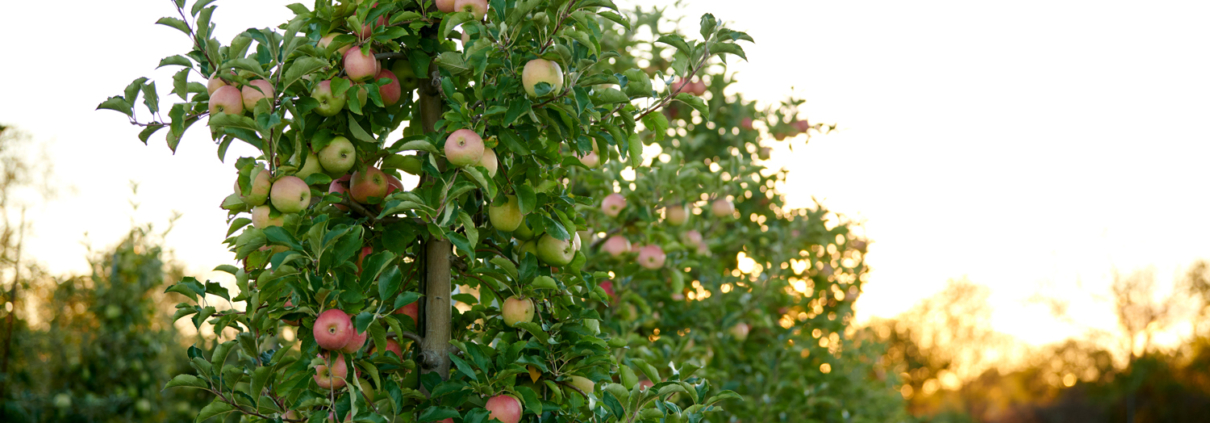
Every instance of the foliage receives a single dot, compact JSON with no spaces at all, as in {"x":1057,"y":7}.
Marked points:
{"x":100,"y":348}
{"x":310,"y":262}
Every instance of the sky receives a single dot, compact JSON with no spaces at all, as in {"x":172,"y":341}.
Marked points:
{"x":1027,"y":146}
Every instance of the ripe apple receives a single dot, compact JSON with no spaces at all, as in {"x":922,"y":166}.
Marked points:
{"x":338,"y":156}
{"x":392,"y":347}
{"x":607,"y":286}
{"x":289,"y":305}
{"x":332,"y":375}
{"x":368,"y":183}
{"x":333,"y":329}
{"x":391,"y":92}
{"x":652,"y":257}
{"x":541,"y":70}
{"x":466,"y":38}
{"x":357,"y":341}
{"x":367,"y":30}
{"x":676,"y":215}
{"x":329,"y":103}
{"x":290,"y":194}
{"x":340,"y":186}
{"x":361,"y":256}
{"x":489,"y":161}
{"x":723,"y":207}
{"x":327,"y":40}
{"x":693,"y":239}
{"x":802,"y":125}
{"x":393,"y":184}
{"x":506,"y":217}
{"x":591,"y":160}
{"x":478,"y":8}
{"x":583,"y":383}
{"x":616,"y":245}
{"x":517,"y":310}
{"x":252,"y":95}
{"x":746,"y":124}
{"x":740,"y":331}
{"x":554,"y":252}
{"x":310,"y":166}
{"x":504,"y":408}
{"x":214,"y":83}
{"x":645,"y":384}
{"x":527,"y":247}
{"x":259,"y":191}
{"x":446,"y":6}
{"x":262,"y":218}
{"x":406,"y":75}
{"x":699,"y":88}
{"x":411,"y":310}
{"x":613,"y":204}
{"x":226,"y":99}
{"x":463,"y":148}
{"x":360,"y":65}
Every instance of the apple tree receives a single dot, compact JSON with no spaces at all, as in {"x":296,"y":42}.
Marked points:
{"x":708,"y":265}
{"x":343,"y":307}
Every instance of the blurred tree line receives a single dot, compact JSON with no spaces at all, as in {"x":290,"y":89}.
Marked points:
{"x":93,"y":348}
{"x":956,"y":368}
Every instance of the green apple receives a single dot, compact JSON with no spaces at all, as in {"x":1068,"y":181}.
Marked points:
{"x":329,"y":103}
{"x":489,"y":162}
{"x":506,"y":217}
{"x":259,"y":191}
{"x":555,"y":252}
{"x":676,"y":214}
{"x":338,"y":156}
{"x":517,"y":310}
{"x":310,"y":166}
{"x":290,"y":194}
{"x":256,"y":90}
{"x":264,"y":217}
{"x":583,"y":383}
{"x":406,"y":75}
{"x":540,"y":70}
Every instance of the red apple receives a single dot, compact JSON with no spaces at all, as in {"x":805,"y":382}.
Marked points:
{"x":327,"y":40}
{"x":504,"y":408}
{"x":517,"y":310}
{"x":290,"y":304}
{"x":360,"y":65}
{"x":368,"y":183}
{"x":391,"y":92}
{"x":616,"y":245}
{"x":652,"y":257}
{"x":340,"y":186}
{"x":411,"y":310}
{"x":332,"y":374}
{"x":613,"y":204}
{"x":540,"y":70}
{"x":802,"y":125}
{"x":645,"y":384}
{"x":393,"y":184}
{"x":357,"y":341}
{"x":290,"y":194}
{"x":446,"y":6}
{"x":607,"y":286}
{"x":252,"y":95}
{"x":746,"y":124}
{"x":693,"y":239}
{"x":463,"y":148}
{"x":392,"y":347}
{"x":226,"y":99}
{"x":215,"y":83}
{"x":333,"y":329}
{"x":365,"y":251}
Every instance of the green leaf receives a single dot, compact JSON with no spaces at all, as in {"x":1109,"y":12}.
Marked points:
{"x":175,"y":23}
{"x":505,"y":265}
{"x":362,"y":321}
{"x":535,"y":330}
{"x":526,"y":198}
{"x":433,"y":414}
{"x":695,"y":102}
{"x":619,"y":19}
{"x":301,"y":67}
{"x":213,"y":409}
{"x":514,"y":143}
{"x":118,"y":104}
{"x":389,"y":282}
{"x":176,"y":60}
{"x":247,"y":63}
{"x":234,"y":121}
{"x":188,"y":381}
{"x":728,"y":48}
{"x":452,"y":61}
{"x":609,"y":96}
{"x":516,"y":109}
{"x":422,"y":145}
{"x":260,"y":377}
{"x":708,"y":23}
{"x":555,"y":229}
{"x":464,"y":368}
{"x":657,"y":123}
{"x":676,"y":41}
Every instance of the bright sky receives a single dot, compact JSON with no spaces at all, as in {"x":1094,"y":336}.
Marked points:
{"x":1020,"y":144}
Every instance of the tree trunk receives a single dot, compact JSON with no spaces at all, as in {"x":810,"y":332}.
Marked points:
{"x":435,"y":350}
